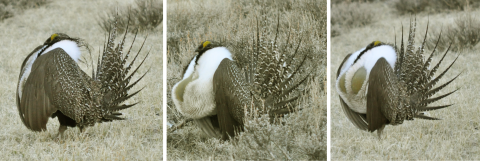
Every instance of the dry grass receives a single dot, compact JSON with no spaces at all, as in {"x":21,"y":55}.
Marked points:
{"x":346,"y":16}
{"x":455,"y":137}
{"x":301,"y":135}
{"x":435,"y":6}
{"x":138,"y":138}
{"x":411,"y":6}
{"x":464,"y":33}
{"x":144,"y":16}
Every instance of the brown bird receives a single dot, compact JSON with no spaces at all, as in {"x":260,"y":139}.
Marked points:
{"x":383,"y":85}
{"x":51,"y":84}
{"x":215,"y":92}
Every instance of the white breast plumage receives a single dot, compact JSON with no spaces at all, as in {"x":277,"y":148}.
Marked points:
{"x":352,"y":81}
{"x":70,"y":47}
{"x":193,"y":95}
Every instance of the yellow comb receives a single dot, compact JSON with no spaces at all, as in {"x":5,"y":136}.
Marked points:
{"x":205,"y":43}
{"x":376,"y":43}
{"x":53,"y":36}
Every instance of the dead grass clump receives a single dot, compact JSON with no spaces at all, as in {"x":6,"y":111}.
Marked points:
{"x":24,"y":4}
{"x":350,"y":1}
{"x":5,"y":11}
{"x":410,"y":6}
{"x":452,"y":4}
{"x":350,"y":15}
{"x":8,"y":8}
{"x":463,"y":34}
{"x":146,"y":15}
{"x":417,"y":6}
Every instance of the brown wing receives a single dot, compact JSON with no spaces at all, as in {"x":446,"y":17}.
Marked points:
{"x":230,"y":97}
{"x":358,"y":119}
{"x":22,"y":71}
{"x":43,"y":85}
{"x":381,"y":93}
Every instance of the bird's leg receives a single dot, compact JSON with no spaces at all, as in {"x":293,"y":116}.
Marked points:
{"x":379,"y":132}
{"x":61,"y":130}
{"x":81,"y":129}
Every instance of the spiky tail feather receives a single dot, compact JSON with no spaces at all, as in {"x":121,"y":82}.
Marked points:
{"x":272,"y":75}
{"x":414,"y":72}
{"x":113,"y":74}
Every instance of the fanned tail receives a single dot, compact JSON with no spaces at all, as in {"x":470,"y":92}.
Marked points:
{"x":275,"y":75}
{"x":418,"y":77}
{"x":114,"y":75}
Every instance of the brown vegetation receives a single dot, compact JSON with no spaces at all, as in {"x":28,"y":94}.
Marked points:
{"x":145,"y":15}
{"x":300,"y":135}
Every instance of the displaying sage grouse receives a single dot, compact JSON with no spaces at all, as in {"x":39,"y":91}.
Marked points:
{"x":380,"y":85}
{"x":51,"y":84}
{"x":215,"y":92}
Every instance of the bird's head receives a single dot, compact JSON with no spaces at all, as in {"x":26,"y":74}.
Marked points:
{"x":206,"y":45}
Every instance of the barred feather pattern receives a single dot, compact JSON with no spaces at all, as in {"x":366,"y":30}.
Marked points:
{"x":416,"y":81}
{"x":272,"y":73}
{"x":113,"y":74}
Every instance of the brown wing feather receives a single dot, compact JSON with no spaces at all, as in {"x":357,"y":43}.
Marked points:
{"x":36,"y":107}
{"x":22,"y":71}
{"x":358,"y":119}
{"x":381,"y":86}
{"x":229,"y":97}
{"x":55,"y":83}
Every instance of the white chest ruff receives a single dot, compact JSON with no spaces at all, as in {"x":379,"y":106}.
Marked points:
{"x":198,"y":99}
{"x":357,"y":100}
{"x":198,"y":96}
{"x":70,"y":47}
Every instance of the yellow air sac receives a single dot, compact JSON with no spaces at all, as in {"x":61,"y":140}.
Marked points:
{"x":358,"y":79}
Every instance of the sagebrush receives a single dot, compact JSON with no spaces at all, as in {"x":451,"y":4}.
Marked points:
{"x":144,"y":16}
{"x":463,"y":34}
{"x":8,"y":8}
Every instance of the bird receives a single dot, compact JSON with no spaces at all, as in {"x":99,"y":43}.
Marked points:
{"x":51,"y":84}
{"x":217,"y":93}
{"x":382,"y":84}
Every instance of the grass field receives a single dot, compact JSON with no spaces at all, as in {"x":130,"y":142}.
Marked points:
{"x":303,"y":134}
{"x":137,"y":138}
{"x":455,"y":137}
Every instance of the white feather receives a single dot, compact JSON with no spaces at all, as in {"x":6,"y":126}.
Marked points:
{"x":190,"y":68}
{"x":26,"y":71}
{"x":198,"y":100}
{"x":70,"y":47}
{"x":369,"y":58}
{"x":357,"y":102}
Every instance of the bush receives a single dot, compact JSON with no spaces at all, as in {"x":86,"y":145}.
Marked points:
{"x":463,"y":34}
{"x":410,"y":6}
{"x":417,"y":6}
{"x":452,"y":4}
{"x":146,"y":15}
{"x":8,"y":8}
{"x":349,"y":1}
